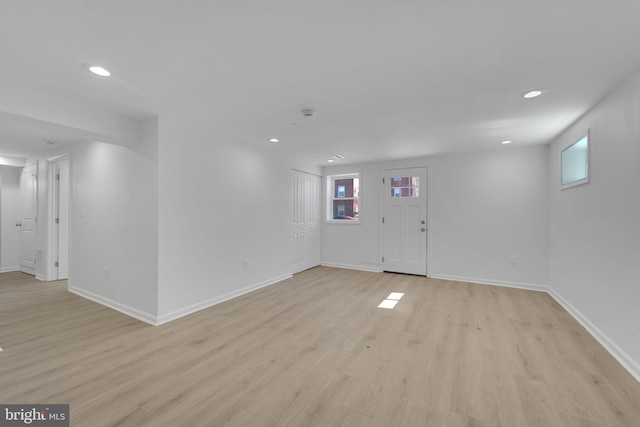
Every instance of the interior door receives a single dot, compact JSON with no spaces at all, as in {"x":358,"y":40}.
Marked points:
{"x":28,"y":218}
{"x":405,"y":221}
{"x":306,"y":221}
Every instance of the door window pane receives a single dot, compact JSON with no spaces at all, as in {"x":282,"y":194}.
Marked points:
{"x":405,"y":186}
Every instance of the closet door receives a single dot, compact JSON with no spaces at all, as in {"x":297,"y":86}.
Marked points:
{"x":306,"y":221}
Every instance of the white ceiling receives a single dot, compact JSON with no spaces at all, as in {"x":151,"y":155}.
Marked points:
{"x":388,"y":79}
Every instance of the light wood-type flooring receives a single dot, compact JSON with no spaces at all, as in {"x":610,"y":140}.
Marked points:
{"x":315,"y":350}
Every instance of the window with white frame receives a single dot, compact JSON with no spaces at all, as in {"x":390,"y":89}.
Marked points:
{"x":574,"y":163}
{"x":343,"y":197}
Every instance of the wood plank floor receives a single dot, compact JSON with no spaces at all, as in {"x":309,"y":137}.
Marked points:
{"x":315,"y":351}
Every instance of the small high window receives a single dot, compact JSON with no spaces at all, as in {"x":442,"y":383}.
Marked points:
{"x":343,"y":197}
{"x":574,"y":163}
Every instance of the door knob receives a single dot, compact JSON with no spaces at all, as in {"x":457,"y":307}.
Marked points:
{"x":18,"y":224}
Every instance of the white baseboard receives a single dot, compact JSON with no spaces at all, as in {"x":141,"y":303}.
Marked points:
{"x":9,"y":269}
{"x":623,"y":358}
{"x":41,"y":277}
{"x":368,"y":268}
{"x":122,"y":308}
{"x":217,"y":300}
{"x":505,"y":284}
{"x":27,"y":270}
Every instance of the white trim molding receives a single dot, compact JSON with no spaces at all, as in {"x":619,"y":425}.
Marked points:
{"x":369,"y":268}
{"x":122,"y":308}
{"x":165,"y":318}
{"x":620,"y":355}
{"x":491,"y":282}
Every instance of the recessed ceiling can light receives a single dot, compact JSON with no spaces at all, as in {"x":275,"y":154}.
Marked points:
{"x":99,"y":71}
{"x":505,"y":142}
{"x":51,"y":141}
{"x":338,"y":157}
{"x":274,"y":140}
{"x":533,"y":93}
{"x":330,"y":160}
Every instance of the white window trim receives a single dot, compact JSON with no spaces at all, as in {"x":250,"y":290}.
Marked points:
{"x":585,"y":180}
{"x":330,"y":185}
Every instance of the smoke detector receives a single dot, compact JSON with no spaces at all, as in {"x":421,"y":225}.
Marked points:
{"x":308,"y":113}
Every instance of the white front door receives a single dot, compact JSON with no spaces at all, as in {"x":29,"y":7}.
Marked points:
{"x":306,"y":221}
{"x":28,"y":218}
{"x":405,"y":221}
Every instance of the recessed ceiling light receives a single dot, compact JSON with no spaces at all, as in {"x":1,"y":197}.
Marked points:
{"x":338,"y":157}
{"x":274,"y":140}
{"x":506,"y":142}
{"x":533,"y":93}
{"x":51,"y":141}
{"x":99,"y":71}
{"x":330,"y":160}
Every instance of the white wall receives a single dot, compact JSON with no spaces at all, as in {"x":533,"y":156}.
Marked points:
{"x":492,"y":205}
{"x":9,"y":215}
{"x":595,"y":227}
{"x":113,"y":222}
{"x":221,"y":202}
{"x":30,"y":108}
{"x":12,"y":161}
{"x":355,"y":245}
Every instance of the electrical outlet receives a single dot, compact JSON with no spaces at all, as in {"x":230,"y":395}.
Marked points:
{"x":107,"y":272}
{"x":513,"y":260}
{"x":245,"y":264}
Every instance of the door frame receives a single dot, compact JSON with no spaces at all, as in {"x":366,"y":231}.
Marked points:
{"x":428,"y":213}
{"x":52,"y":207}
{"x":37,"y":229}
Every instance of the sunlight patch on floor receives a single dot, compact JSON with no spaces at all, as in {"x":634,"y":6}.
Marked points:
{"x":391,"y":301}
